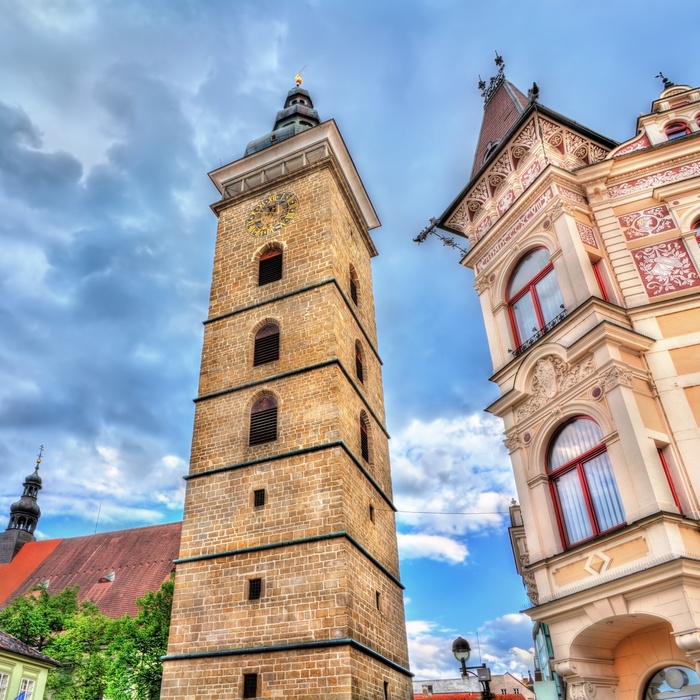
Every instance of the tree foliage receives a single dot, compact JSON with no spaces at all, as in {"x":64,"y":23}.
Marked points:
{"x":99,"y":658}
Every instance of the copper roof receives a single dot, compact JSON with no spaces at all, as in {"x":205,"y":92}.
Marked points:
{"x":139,"y":559}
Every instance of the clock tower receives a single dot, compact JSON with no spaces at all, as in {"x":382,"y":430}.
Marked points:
{"x":287,"y":584}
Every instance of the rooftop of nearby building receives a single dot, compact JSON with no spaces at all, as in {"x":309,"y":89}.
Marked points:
{"x":111,"y":569}
{"x":13,"y":645}
{"x":504,"y":686}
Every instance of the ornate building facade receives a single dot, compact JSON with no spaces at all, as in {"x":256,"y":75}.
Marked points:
{"x":287,"y":584}
{"x":586,"y":262}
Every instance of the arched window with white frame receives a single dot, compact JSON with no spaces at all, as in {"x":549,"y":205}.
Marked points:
{"x":533,"y":296}
{"x":582,"y":481}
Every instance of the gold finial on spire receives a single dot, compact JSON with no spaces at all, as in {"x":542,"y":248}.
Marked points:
{"x":38,"y":457}
{"x":297,"y":78}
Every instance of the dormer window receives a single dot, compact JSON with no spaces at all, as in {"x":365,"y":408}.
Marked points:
{"x":676,"y":130}
{"x":107,"y":578}
{"x":491,"y":148}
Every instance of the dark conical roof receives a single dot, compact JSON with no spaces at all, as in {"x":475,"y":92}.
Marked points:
{"x":297,"y":115}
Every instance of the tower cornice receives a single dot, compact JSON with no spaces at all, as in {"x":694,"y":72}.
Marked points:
{"x":266,"y":167}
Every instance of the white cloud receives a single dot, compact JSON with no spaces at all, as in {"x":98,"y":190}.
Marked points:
{"x":497,"y":643}
{"x":457,"y":467}
{"x":435,"y":547}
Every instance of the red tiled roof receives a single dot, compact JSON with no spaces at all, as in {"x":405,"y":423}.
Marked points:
{"x":24,"y":563}
{"x":141,"y":559}
{"x":500,"y":113}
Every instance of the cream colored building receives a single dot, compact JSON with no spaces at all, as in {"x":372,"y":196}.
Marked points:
{"x":586,"y":261}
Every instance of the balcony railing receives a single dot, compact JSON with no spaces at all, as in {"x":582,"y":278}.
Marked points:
{"x":539,"y":333}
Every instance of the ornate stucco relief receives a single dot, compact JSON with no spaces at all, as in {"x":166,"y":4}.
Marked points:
{"x":552,"y":376}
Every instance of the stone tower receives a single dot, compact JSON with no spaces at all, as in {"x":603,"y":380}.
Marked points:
{"x":288,"y":582}
{"x":24,"y":517}
{"x":586,"y":258}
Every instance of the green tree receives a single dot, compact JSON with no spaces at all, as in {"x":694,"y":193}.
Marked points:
{"x":136,"y":669}
{"x":39,"y":616}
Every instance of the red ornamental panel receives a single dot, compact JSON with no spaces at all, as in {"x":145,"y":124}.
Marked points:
{"x":505,"y":201}
{"x":647,"y":222}
{"x":666,"y":268}
{"x":587,"y":234}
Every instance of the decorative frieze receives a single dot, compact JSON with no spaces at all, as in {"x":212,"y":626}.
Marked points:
{"x":636,"y":145}
{"x":681,"y":172}
{"x":514,"y":230}
{"x":665,"y":268}
{"x":587,"y":234}
{"x":646,"y":222}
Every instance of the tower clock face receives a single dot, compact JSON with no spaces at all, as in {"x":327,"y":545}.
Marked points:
{"x":271,"y":214}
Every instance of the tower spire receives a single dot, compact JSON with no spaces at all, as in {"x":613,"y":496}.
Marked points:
{"x":24,"y":516}
{"x":297,"y":115}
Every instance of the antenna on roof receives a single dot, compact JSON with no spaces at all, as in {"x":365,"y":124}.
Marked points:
{"x":99,"y":508}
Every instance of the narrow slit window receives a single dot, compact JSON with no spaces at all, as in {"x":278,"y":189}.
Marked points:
{"x":263,"y":421}
{"x":386,"y":690}
{"x":254,"y":588}
{"x":353,"y":285}
{"x":359,"y":364}
{"x":259,"y":498}
{"x":364,"y":437}
{"x":377,"y":599}
{"x":270,"y":266}
{"x":250,"y":685}
{"x":267,"y":345}
{"x":371,"y":512}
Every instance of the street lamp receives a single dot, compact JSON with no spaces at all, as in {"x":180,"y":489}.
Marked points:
{"x":462,"y":650}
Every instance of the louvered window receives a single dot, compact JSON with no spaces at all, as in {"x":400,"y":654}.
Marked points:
{"x":250,"y":685}
{"x":254,"y":588}
{"x":364,"y":437}
{"x":359,"y":370}
{"x":267,"y":345}
{"x":263,"y":421}
{"x":270,"y":269}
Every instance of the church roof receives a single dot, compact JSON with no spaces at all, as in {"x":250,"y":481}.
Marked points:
{"x":112,"y":569}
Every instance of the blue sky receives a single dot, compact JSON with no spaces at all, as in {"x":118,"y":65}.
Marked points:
{"x":112,"y":113}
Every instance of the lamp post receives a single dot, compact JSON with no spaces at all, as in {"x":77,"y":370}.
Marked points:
{"x":462,"y":650}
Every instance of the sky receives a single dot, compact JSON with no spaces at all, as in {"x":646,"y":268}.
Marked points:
{"x":111,"y":116}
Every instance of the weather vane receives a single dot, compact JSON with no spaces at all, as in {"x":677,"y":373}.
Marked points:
{"x":667,"y":83}
{"x":298,"y":79}
{"x":38,"y":457}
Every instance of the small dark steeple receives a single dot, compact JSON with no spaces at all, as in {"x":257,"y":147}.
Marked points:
{"x":24,"y":516}
{"x":297,"y":115}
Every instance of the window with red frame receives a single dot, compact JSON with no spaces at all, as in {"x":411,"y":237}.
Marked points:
{"x":671,"y":485}
{"x":696,"y":228}
{"x":582,"y":481}
{"x":534,"y":299}
{"x":599,"y":278}
{"x":676,"y":130}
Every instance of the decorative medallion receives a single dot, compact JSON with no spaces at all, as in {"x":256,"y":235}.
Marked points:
{"x":271,"y":214}
{"x":665,"y":268}
{"x":646,"y":222}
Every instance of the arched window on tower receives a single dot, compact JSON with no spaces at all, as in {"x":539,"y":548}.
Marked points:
{"x":353,"y":285}
{"x":676,"y":129}
{"x":696,"y":227}
{"x":263,"y":420}
{"x":364,"y":436}
{"x":583,"y":483}
{"x":534,"y":301}
{"x":359,"y":364}
{"x":270,"y":266}
{"x":267,"y":345}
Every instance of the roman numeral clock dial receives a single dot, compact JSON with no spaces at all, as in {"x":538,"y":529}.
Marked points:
{"x":271,"y":214}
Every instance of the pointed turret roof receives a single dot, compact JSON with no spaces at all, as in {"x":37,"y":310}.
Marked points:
{"x":503,"y":105}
